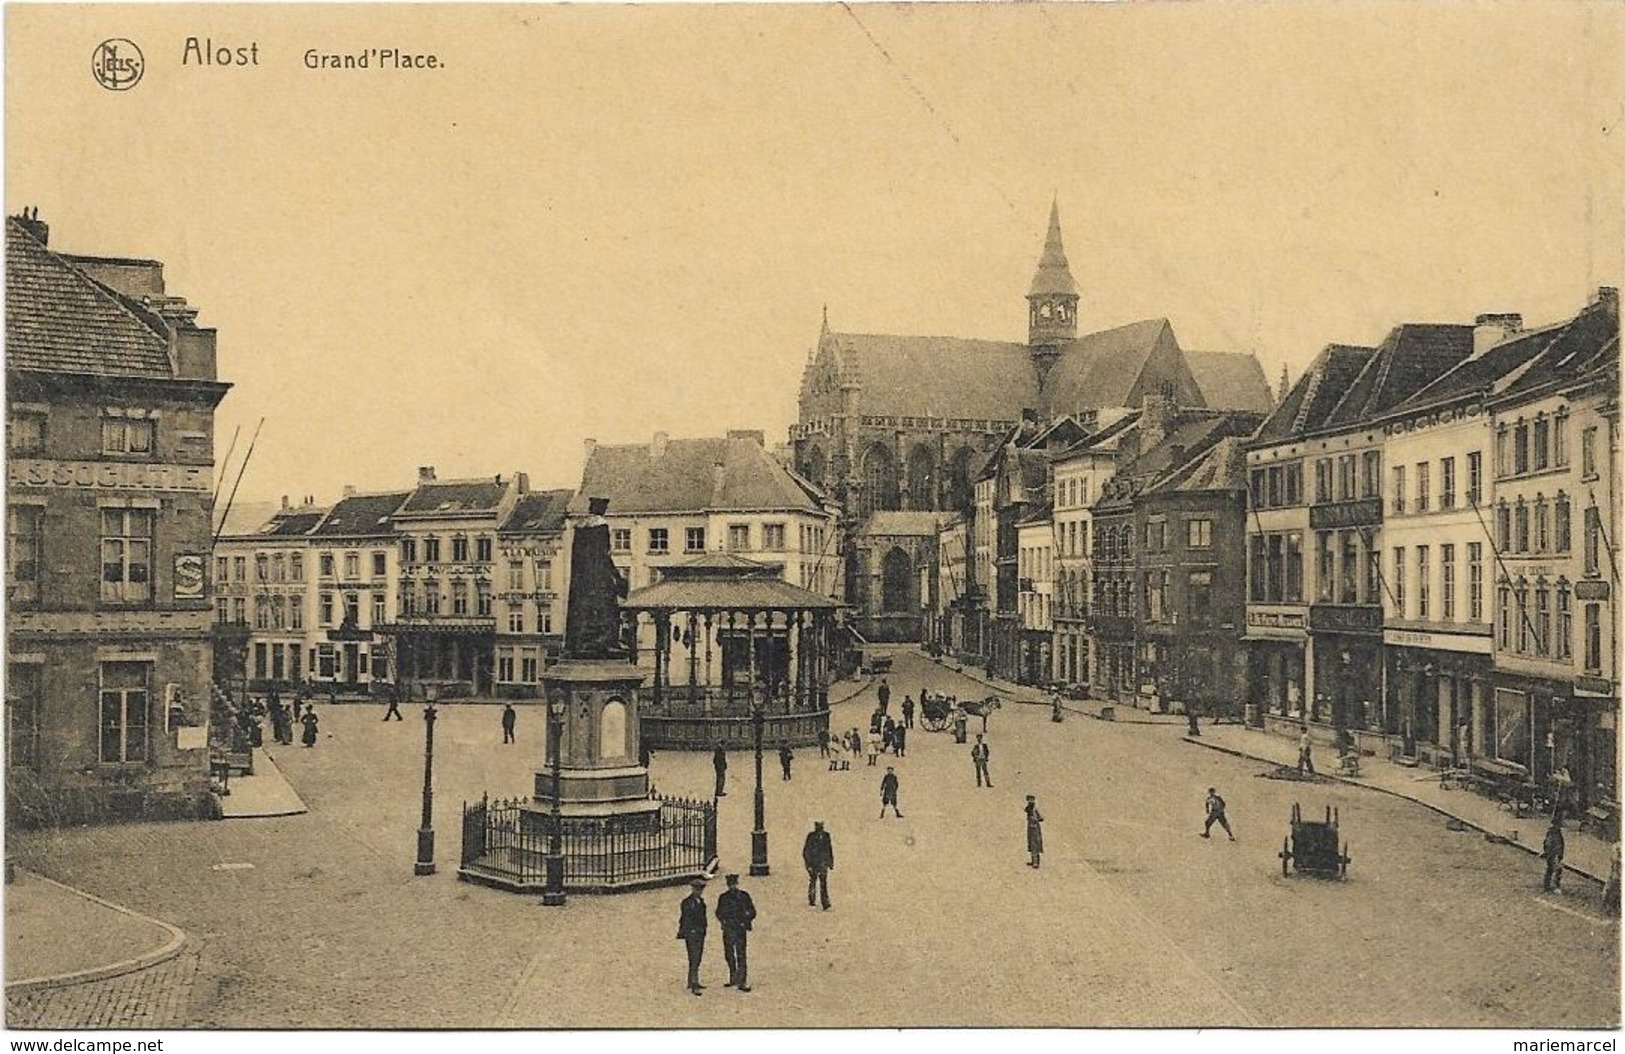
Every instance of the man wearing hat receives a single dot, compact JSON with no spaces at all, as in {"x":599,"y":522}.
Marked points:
{"x":691,"y":925}
{"x":735,"y":911}
{"x":818,"y":853}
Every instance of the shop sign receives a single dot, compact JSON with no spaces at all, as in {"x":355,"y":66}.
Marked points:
{"x":1446,"y":416}
{"x":1448,"y":641}
{"x":1591,"y":589}
{"x":107,"y":475}
{"x":509,"y":598}
{"x":520,"y":551}
{"x":188,"y":577}
{"x":1276,"y":619}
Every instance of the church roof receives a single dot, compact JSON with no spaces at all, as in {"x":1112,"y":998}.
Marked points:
{"x":940,"y":376}
{"x":1102,"y":369}
{"x":1053,"y":275}
{"x":1231,"y":380}
{"x":684,"y":476}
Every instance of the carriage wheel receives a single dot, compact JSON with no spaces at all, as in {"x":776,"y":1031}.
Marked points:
{"x":935,"y":724}
{"x":1286,"y":853}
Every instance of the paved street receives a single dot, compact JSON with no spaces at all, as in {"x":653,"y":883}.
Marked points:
{"x":1133,"y":919}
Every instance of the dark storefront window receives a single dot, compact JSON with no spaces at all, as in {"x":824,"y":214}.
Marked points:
{"x":124,"y":706}
{"x":25,"y":554}
{"x":1511,"y":726}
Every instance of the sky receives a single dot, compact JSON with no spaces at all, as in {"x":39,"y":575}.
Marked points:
{"x":602,"y":222}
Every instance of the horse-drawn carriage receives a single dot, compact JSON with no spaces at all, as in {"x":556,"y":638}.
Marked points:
{"x":937,"y":709}
{"x":1312,"y":847}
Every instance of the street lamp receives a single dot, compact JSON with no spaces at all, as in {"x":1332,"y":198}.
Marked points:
{"x":758,"y":836}
{"x":553,"y":891}
{"x":425,"y":861}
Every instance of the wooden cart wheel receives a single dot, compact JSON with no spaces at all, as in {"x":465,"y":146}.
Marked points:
{"x":1286,"y":853}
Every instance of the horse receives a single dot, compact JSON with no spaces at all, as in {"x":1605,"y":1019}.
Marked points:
{"x":982,"y":708}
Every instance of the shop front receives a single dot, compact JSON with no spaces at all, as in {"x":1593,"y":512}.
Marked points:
{"x":1437,"y":694}
{"x":1276,"y":643}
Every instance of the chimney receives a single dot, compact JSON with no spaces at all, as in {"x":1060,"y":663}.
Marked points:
{"x":349,"y":490}
{"x":657,"y":446}
{"x":30,"y":221}
{"x":719,"y":476}
{"x":1155,"y":419}
{"x":284,"y":503}
{"x":1608,"y":294}
{"x":521,"y":482}
{"x":590,"y":445}
{"x":1490,"y":330}
{"x":425,"y":473}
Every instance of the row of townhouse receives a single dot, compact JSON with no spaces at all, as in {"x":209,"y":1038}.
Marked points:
{"x":1430,"y":554}
{"x":463,"y":583}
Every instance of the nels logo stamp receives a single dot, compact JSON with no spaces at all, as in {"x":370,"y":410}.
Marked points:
{"x":117,"y":64}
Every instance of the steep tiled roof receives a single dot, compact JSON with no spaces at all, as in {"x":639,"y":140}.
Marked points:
{"x":292,"y":524}
{"x":1587,"y":343}
{"x":60,"y":319}
{"x":684,"y":478}
{"x":1102,"y":438}
{"x":456,"y":495}
{"x":1231,"y":380}
{"x":1182,"y":446}
{"x":1477,"y":372}
{"x":1322,"y":386}
{"x":1220,"y":467}
{"x":539,"y":511}
{"x":1101,"y":369}
{"x":362,"y":515}
{"x":940,"y":376}
{"x":1413,"y":356}
{"x":909,"y":524}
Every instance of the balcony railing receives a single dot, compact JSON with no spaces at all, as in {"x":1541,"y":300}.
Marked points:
{"x":1330,"y":515}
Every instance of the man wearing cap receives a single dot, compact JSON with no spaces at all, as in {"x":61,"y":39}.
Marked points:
{"x":735,"y":911}
{"x":691,"y":925}
{"x":818,"y":853}
{"x":888,"y":793}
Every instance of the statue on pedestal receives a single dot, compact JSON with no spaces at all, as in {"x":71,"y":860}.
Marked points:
{"x":592,"y":625}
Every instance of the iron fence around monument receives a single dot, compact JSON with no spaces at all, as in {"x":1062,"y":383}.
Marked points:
{"x":506,"y":842}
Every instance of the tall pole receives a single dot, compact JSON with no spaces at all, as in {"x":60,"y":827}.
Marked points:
{"x":425,"y":862}
{"x":758,"y":836}
{"x":553,"y":891}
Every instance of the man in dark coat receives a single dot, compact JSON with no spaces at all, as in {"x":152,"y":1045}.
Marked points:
{"x":818,"y":853}
{"x":978,"y":759}
{"x":888,"y":793}
{"x":785,"y":757}
{"x":908,"y":711}
{"x":1552,"y":852}
{"x":691,"y":926}
{"x":719,"y":763}
{"x":1215,"y":815}
{"x":394,"y":704}
{"x":736,"y":912}
{"x":509,"y":717}
{"x":899,"y":740}
{"x":884,"y":694}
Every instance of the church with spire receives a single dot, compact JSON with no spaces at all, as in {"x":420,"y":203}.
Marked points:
{"x":901,"y":423}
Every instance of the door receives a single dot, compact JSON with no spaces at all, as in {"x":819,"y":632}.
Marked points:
{"x":352,"y":663}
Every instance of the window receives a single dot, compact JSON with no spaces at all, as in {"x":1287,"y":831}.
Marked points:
{"x":431,"y":550}
{"x":1561,"y":533}
{"x":738,"y":536}
{"x":26,"y":435}
{"x":1447,"y":483}
{"x":1294,"y":569}
{"x":127,"y":436}
{"x":127,"y":555}
{"x":1503,"y":447}
{"x":279,"y":567}
{"x":544,"y":621}
{"x":1423,"y":470}
{"x":459,"y":549}
{"x":431,"y":597}
{"x":1373,"y":570}
{"x":380,"y":564}
{"x":1345,"y":477}
{"x":694,"y":539}
{"x":1199,"y":534}
{"x":516,"y":618}
{"x":505,"y":665}
{"x":124,"y":712}
{"x":1503,"y":615}
{"x":1447,"y":582}
{"x":482,"y":599}
{"x":325,"y":610}
{"x":1475,"y":478}
{"x":262,"y":565}
{"x":239,"y":611}
{"x":1399,"y":488}
{"x":222,"y":610}
{"x":1542,"y":441}
{"x":529,"y":668}
{"x":1593,"y":541}
{"x":544,"y":576}
{"x":379,"y":611}
{"x":352,"y":608}
{"x":24,"y":699}
{"x":1560,"y":438}
{"x":516,"y":576}
{"x":262,"y":612}
{"x":327,"y":565}
{"x":1564,"y":644}
{"x":773,"y":537}
{"x":1543,"y":527}
{"x":352,"y":566}
{"x":1588,"y":453}
{"x":657,"y":540}
{"x":1424,"y":582}
{"x":1323,"y":479}
{"x":25,"y":554}
{"x":1349,"y":579}
{"x":296,"y":612}
{"x":1399,"y":583}
{"x":620,"y":539}
{"x":1503,"y":527}
{"x":1255,"y":490}
{"x":1153,"y":596}
{"x":1370,"y":474}
{"x":279,"y":663}
{"x":1520,"y":527}
{"x":1520,"y":447}
{"x":222,"y":568}
{"x":1324,"y":573}
{"x":409,"y":550}
{"x":459,"y":597}
{"x":1201,"y":597}
{"x":1521,"y":598}
{"x":1543,"y":619}
{"x":1293,"y":475}
{"x":1593,"y":638}
{"x":296,"y":567}
{"x":482,"y":549}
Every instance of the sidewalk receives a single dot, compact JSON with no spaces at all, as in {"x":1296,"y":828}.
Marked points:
{"x":1585,"y":854}
{"x":1026,"y":694}
{"x":265,"y":793}
{"x":57,"y":935}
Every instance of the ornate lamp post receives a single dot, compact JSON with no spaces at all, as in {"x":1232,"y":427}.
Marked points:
{"x":425,"y":861}
{"x":758,"y":835}
{"x":553,"y":891}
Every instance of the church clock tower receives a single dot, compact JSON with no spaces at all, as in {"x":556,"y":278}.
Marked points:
{"x":1052,"y":301}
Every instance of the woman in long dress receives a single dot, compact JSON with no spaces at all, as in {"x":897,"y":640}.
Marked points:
{"x":1035,"y":831}
{"x":309,"y":720}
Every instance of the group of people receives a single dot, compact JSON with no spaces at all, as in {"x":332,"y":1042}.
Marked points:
{"x":283,"y":717}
